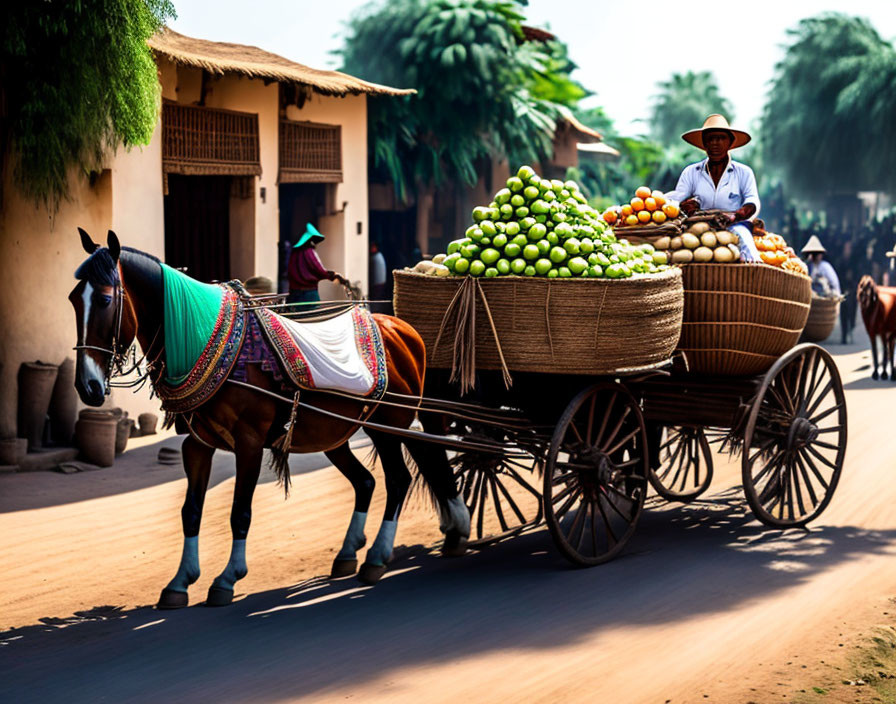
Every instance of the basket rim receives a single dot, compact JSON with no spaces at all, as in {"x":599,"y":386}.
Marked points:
{"x":764,"y":267}
{"x":789,"y":301}
{"x":670,"y":273}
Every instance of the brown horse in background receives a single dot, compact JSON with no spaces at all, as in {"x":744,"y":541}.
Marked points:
{"x":878,"y":305}
{"x":119,"y":298}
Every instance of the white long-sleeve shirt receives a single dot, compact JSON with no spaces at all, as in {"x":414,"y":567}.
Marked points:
{"x":736,"y":188}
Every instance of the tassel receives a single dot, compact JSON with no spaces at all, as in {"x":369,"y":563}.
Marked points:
{"x":280,"y":448}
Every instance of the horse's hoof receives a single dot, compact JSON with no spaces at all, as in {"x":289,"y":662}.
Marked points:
{"x":454,"y":545}
{"x":875,"y":376}
{"x":219,"y":597}
{"x":343,"y":568}
{"x":371,"y":574}
{"x":171,"y":599}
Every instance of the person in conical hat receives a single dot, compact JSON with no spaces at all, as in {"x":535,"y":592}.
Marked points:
{"x":825,"y":281}
{"x":306,"y":270}
{"x":720,"y":183}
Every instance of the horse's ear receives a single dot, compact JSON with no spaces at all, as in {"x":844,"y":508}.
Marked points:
{"x":114,"y":245}
{"x":88,"y":244}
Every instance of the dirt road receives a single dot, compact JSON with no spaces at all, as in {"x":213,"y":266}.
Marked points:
{"x":704,"y":605}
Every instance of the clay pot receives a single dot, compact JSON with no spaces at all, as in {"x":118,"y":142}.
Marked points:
{"x":95,"y":438}
{"x":122,"y":433}
{"x":64,"y":405}
{"x":148,"y":422}
{"x":36,"y":382}
{"x":12,"y":450}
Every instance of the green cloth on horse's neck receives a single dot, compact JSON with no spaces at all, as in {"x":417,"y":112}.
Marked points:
{"x":191,"y":311}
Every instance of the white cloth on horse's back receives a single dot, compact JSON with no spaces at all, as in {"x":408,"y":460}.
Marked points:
{"x":344,"y":353}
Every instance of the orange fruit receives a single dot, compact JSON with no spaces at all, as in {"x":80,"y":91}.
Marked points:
{"x":637,"y":204}
{"x":643,"y":192}
{"x":643,"y":216}
{"x":659,"y":217}
{"x":631,"y":220}
{"x":609,"y":216}
{"x":671,"y":210}
{"x":650,"y":204}
{"x":659,"y":198}
{"x":768,"y":257}
{"x":626,"y":210}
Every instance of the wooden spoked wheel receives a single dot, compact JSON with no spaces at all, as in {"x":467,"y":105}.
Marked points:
{"x":595,"y":474}
{"x":795,"y":439}
{"x":684,"y":469}
{"x":500,"y":493}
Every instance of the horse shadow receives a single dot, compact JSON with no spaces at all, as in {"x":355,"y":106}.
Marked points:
{"x":305,"y":639}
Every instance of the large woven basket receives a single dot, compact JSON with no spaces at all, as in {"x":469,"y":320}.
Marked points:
{"x":563,"y":326}
{"x":739,"y":318}
{"x":822,"y":318}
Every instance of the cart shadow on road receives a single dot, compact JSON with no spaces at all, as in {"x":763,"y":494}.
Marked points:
{"x":684,"y":562}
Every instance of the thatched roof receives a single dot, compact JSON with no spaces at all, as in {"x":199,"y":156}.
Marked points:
{"x":583,"y":132}
{"x":222,"y":57}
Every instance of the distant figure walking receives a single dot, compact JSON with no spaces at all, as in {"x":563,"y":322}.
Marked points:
{"x":824,"y":278}
{"x":377,"y":273}
{"x":306,"y":270}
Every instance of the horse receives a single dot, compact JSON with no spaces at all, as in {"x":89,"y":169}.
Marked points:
{"x":878,"y":306}
{"x":119,"y":299}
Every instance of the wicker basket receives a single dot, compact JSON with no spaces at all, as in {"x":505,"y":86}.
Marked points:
{"x":578,"y":326}
{"x":822,"y":318}
{"x":739,"y":318}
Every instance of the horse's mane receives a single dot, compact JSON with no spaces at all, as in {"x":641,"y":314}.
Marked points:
{"x":99,"y":269}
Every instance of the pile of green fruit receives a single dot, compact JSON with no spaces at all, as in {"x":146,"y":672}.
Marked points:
{"x":541,"y":227}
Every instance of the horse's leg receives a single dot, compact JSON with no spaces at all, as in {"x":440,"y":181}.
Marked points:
{"x":346,"y":562}
{"x":432,"y":462}
{"x":248,"y":466}
{"x":874,"y":373}
{"x":197,"y":459}
{"x":892,"y":348}
{"x":398,"y":481}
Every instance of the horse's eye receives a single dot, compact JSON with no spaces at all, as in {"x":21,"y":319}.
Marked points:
{"x":105,"y":300}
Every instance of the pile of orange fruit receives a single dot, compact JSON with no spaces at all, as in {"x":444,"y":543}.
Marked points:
{"x":647,"y":207}
{"x":774,"y":251}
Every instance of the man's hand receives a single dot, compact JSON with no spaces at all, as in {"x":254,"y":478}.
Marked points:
{"x":339,"y":278}
{"x":690,"y":206}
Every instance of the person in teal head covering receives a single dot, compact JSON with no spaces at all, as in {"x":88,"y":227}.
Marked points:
{"x":306,"y":269}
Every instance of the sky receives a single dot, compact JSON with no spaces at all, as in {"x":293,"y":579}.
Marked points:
{"x":622,"y":49}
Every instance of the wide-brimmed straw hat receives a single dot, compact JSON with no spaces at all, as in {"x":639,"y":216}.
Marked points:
{"x":716,"y":122}
{"x":813,"y":246}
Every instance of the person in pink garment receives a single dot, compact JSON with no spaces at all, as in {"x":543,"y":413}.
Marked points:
{"x":306,"y":269}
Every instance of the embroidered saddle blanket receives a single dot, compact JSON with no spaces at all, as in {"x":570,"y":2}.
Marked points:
{"x":344,"y":353}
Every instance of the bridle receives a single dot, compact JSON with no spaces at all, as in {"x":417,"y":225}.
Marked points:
{"x":118,"y":355}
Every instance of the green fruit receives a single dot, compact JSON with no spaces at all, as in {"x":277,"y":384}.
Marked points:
{"x":500,"y":226}
{"x":565,"y":194}
{"x":517,"y":266}
{"x":530,"y":252}
{"x":480,"y":214}
{"x":521,"y":212}
{"x":544,"y":185}
{"x":503,"y":267}
{"x":586,"y":246}
{"x":525,"y":172}
{"x":530,"y":193}
{"x":557,"y":254}
{"x":529,"y":271}
{"x":462,"y":266}
{"x":556,"y":185}
{"x":571,"y":245}
{"x":660,"y":258}
{"x":553,"y":274}
{"x":470,"y":230}
{"x":477,"y":268}
{"x":521,"y":240}
{"x":470,"y":251}
{"x":595,"y":271}
{"x":603,"y":260}
{"x":537,"y":232}
{"x":541,"y":219}
{"x":517,"y":200}
{"x":549,"y":196}
{"x":454,"y":246}
{"x":559,"y":216}
{"x":499,"y":240}
{"x":486,"y":241}
{"x":476,"y":235}
{"x":618,"y":271}
{"x":515,"y":184}
{"x":494,"y":213}
{"x":564,"y":230}
{"x":512,"y":249}
{"x":540,"y":207}
{"x":502,"y":196}
{"x":564,"y":272}
{"x":512,"y":229}
{"x":526,"y":223}
{"x":506,"y":211}
{"x":488,"y":228}
{"x":451,"y":260}
{"x":552,"y":238}
{"x":542,"y":266}
{"x":490,"y":256}
{"x":543,"y":247}
{"x":571,"y":186}
{"x":577,"y":265}
{"x":491,"y":272}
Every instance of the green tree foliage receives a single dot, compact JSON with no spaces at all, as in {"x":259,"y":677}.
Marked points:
{"x":683,"y":103}
{"x":79,"y":80}
{"x":481,"y":90}
{"x":827,"y":125}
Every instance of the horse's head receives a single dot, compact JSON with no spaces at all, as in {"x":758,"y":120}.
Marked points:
{"x":867,"y":293}
{"x":105,"y":325}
